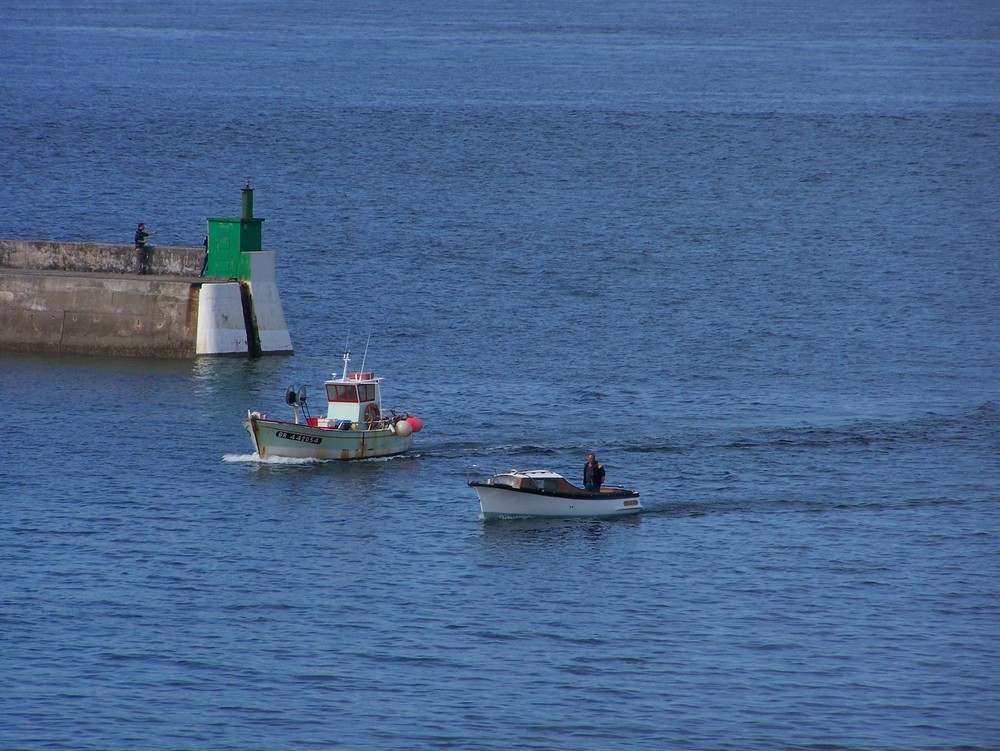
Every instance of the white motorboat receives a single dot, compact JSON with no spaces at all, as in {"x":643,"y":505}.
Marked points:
{"x":354,"y":427}
{"x":543,"y":493}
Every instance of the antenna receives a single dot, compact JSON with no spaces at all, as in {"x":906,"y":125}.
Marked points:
{"x":366,"y":351}
{"x":346,"y":355}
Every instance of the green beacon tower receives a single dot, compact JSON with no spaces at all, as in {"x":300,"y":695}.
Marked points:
{"x":240,"y":309}
{"x":232,"y":240}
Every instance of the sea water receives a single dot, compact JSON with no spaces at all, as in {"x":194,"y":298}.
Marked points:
{"x":745,"y":253}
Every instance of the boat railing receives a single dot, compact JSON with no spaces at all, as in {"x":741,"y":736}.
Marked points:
{"x":383,"y":422}
{"x":478,"y":474}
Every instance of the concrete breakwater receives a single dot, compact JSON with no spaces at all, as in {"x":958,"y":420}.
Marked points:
{"x":96,"y":314}
{"x":87,"y":299}
{"x":41,"y":255}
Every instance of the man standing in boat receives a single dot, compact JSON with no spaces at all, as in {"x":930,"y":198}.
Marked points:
{"x":593,"y":474}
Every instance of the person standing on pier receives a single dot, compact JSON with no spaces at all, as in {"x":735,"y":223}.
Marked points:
{"x":141,"y":249}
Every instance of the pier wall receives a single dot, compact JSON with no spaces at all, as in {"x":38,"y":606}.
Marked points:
{"x":86,"y":299}
{"x":97,"y":257}
{"x":71,"y":314}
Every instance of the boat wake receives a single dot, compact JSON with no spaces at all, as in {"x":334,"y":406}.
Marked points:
{"x":255,"y":458}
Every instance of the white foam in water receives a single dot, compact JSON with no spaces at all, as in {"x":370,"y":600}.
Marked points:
{"x":256,"y":459}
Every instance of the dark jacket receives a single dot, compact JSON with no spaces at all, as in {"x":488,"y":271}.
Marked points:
{"x":593,"y":474}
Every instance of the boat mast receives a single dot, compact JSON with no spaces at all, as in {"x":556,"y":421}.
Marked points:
{"x":347,"y":356}
{"x":365,"y":356}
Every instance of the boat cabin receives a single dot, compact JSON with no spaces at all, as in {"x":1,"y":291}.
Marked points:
{"x":353,"y":399}
{"x":543,"y":480}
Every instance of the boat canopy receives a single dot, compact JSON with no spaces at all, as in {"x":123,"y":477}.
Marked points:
{"x":535,"y":480}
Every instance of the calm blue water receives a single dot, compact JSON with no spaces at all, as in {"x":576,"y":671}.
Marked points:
{"x":746,"y":252}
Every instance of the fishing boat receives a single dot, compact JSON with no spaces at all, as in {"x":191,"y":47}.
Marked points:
{"x":354,"y":427}
{"x":543,"y":493}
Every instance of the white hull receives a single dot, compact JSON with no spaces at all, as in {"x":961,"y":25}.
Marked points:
{"x":503,"y":502}
{"x":296,"y":441}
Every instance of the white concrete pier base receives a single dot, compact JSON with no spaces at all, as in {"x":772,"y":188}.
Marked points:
{"x":272,"y":330}
{"x":221,"y":328}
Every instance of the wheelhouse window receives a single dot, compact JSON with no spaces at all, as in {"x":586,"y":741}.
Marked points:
{"x":348,"y":392}
{"x":342,"y":392}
